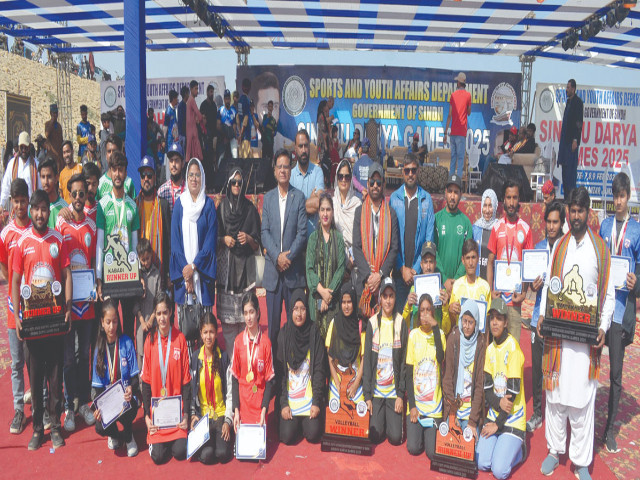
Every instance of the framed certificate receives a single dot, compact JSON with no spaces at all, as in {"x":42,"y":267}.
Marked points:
{"x":198,"y":436}
{"x":482,"y":310}
{"x":430,"y":283}
{"x":251,"y":442}
{"x":620,"y":266}
{"x":111,"y":403}
{"x":507,"y":276}
{"x":534,"y":264}
{"x":166,"y":412}
{"x":84,"y":285}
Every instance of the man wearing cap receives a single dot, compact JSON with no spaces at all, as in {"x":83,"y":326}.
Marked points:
{"x":153,"y":210}
{"x":570,"y":136}
{"x":228,"y":126}
{"x":414,"y":210}
{"x":361,"y":167}
{"x":375,"y":241}
{"x":91,"y":153}
{"x":451,"y":229}
{"x":21,"y":166}
{"x":417,"y":149}
{"x":71,"y":167}
{"x":459,"y":110}
{"x":172,"y":188}
{"x":307,"y":177}
{"x":53,"y":133}
{"x":41,"y":149}
{"x":83,"y":130}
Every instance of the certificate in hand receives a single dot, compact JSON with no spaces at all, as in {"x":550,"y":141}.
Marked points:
{"x":534,"y":264}
{"x":507,"y":276}
{"x":84,"y":285}
{"x":111,"y":403}
{"x":429,"y":283}
{"x":482,"y":309}
{"x":166,"y":411}
{"x":198,"y":436}
{"x":620,"y":266}
{"x":251,"y":442}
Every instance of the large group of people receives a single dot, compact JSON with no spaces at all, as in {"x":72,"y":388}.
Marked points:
{"x":342,"y":265}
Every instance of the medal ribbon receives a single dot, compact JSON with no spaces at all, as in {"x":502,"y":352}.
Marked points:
{"x":209,"y":385}
{"x":616,"y":245}
{"x":510,"y":251}
{"x":113,"y":364}
{"x":251,"y":356}
{"x":165,"y":364}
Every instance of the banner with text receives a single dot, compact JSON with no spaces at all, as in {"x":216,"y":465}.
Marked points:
{"x":112,"y":93}
{"x":609,"y":142}
{"x":404,"y":101}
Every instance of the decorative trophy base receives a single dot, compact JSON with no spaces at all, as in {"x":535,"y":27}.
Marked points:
{"x":569,"y":331}
{"x":455,"y":450}
{"x":343,"y":444}
{"x":44,"y":326}
{"x":122,"y":289}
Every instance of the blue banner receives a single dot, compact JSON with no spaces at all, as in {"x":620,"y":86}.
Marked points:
{"x":404,"y":101}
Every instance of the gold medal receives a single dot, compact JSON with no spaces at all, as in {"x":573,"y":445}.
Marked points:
{"x":254,"y":389}
{"x":215,"y":416}
{"x":508,"y":271}
{"x":250,"y":377}
{"x":163,"y":392}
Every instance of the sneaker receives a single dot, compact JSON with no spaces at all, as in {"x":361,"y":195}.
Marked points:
{"x":46,"y":420}
{"x":56,"y":439}
{"x":17,"y":424}
{"x":549,"y":465}
{"x":609,"y":442}
{"x":27,"y":397}
{"x":582,"y":473}
{"x":132,"y":447}
{"x":36,"y":441}
{"x":113,"y":443}
{"x":69,"y":421}
{"x":87,"y":414}
{"x":534,"y":423}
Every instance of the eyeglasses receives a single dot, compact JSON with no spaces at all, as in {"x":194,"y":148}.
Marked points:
{"x":235,"y":183}
{"x":194,"y":175}
{"x":146,"y":175}
{"x":410,"y":170}
{"x":373,"y":182}
{"x":344,"y":177}
{"x":282,"y":167}
{"x":78,"y":194}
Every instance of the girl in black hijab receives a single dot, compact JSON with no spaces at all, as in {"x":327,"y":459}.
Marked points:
{"x":301,"y":364}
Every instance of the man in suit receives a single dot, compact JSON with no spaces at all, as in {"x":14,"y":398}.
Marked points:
{"x":284,"y":236}
{"x":570,"y":138}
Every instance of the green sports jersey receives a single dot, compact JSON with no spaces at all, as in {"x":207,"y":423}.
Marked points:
{"x":118,"y":216}
{"x":450,"y":230}
{"x":54,"y":209}
{"x":105,"y":185}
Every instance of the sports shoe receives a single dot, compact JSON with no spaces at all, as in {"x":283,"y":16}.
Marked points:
{"x":87,"y":414}
{"x":56,"y":439}
{"x":610,"y":444}
{"x":582,"y":473}
{"x":36,"y":441}
{"x":69,"y":421}
{"x":17,"y":424}
{"x":26,"y":398}
{"x":534,"y":423}
{"x":46,"y":420}
{"x":113,"y":443}
{"x":132,"y":447}
{"x":549,"y":465}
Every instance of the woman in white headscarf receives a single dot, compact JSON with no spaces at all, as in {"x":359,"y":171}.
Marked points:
{"x":193,"y":243}
{"x":345,"y":203}
{"x":482,"y":229}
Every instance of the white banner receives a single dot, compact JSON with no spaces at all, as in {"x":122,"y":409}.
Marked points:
{"x":609,"y":141}
{"x":112,"y":93}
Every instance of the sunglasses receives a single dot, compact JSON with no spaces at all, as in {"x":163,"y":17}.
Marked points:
{"x":373,"y":182}
{"x":410,"y":170}
{"x":235,"y":183}
{"x":78,"y":194}
{"x":344,"y":176}
{"x":146,"y":175}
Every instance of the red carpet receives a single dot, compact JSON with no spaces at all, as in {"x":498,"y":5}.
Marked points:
{"x":86,"y":454}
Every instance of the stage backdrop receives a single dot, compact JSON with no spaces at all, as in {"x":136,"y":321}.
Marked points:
{"x":18,"y":115}
{"x":112,"y":93}
{"x":403,"y":100}
{"x":609,"y":135}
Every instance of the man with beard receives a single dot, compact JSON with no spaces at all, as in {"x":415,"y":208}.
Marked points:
{"x":71,"y":168}
{"x":49,"y":179}
{"x":114,"y":144}
{"x":117,"y":215}
{"x":509,"y":237}
{"x":571,"y":369}
{"x":375,"y":242}
{"x":155,"y":223}
{"x":40,"y":249}
{"x":91,"y":174}
{"x":209,"y":110}
{"x":554,"y":217}
{"x":79,"y":241}
{"x":307,"y":178}
{"x":22,"y":166}
{"x":53,"y":134}
{"x":172,"y":188}
{"x":451,"y":229}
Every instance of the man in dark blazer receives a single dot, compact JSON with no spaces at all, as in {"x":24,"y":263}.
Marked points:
{"x":570,"y":138}
{"x":284,"y":236}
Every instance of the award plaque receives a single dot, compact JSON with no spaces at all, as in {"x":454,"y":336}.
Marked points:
{"x":572,"y":309}
{"x":42,"y":310}
{"x":120,"y":271}
{"x":347,"y":423}
{"x":455,"y":448}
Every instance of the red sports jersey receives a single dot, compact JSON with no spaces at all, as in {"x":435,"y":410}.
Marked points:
{"x":178,"y":374}
{"x":79,"y":240}
{"x":8,"y":243}
{"x":262,"y":369}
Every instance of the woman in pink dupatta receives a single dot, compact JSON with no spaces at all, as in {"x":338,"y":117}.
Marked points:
{"x":194,"y":117}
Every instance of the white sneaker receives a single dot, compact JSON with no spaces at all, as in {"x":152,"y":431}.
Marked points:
{"x":132,"y":447}
{"x":27,"y":397}
{"x":113,"y":443}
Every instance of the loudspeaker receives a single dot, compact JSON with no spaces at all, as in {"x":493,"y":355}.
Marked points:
{"x":255,"y":173}
{"x":497,"y":174}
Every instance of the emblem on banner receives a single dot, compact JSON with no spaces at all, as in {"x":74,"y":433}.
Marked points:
{"x":503,"y":102}
{"x":294,"y":95}
{"x":546,"y":100}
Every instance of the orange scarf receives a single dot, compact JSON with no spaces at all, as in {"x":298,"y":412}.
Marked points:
{"x":156,"y":226}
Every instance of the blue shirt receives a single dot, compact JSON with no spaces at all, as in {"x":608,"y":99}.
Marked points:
{"x":170,"y":119}
{"x":306,"y":183}
{"x":127,"y":364}
{"x":361,"y":171}
{"x":83,"y":130}
{"x":243,"y":110}
{"x":542,"y":245}
{"x":228,"y":116}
